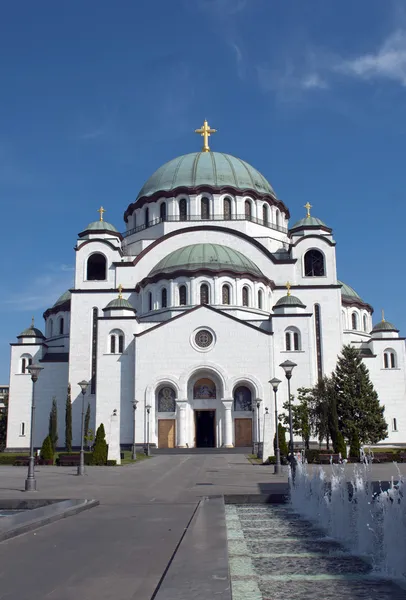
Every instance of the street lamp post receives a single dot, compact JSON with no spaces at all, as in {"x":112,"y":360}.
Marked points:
{"x":288,"y":367}
{"x":148,"y":409}
{"x":81,"y":467}
{"x":275,"y":383}
{"x":134,"y":451}
{"x":30,"y":482}
{"x":258,"y":425}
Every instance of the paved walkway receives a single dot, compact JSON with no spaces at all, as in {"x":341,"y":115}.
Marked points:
{"x":121,"y":548}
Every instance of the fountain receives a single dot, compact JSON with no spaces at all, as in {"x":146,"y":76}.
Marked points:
{"x":367,"y":522}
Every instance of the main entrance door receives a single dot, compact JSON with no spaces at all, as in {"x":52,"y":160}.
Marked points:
{"x":205,"y":428}
{"x":166,"y":433}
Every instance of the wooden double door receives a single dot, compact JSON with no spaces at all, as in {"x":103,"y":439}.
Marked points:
{"x":243,"y":432}
{"x":166,"y":433}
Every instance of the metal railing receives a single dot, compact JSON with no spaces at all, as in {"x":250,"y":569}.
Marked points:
{"x":195,"y":218}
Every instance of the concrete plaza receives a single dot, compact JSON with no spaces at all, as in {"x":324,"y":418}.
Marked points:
{"x":122,"y":548}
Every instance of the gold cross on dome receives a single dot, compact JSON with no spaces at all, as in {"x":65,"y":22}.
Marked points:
{"x":288,"y":286}
{"x":205,"y":131}
{"x":120,"y":291}
{"x":383,"y":316}
{"x":308,"y":206}
{"x":101,"y":211}
{"x":32,"y":321}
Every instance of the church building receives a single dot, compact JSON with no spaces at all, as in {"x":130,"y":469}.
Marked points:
{"x":179,"y":322}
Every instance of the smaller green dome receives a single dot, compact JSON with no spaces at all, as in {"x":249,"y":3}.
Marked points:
{"x":384,"y":326}
{"x":101,"y":226}
{"x":308,"y":222}
{"x":348,"y":291}
{"x":213,"y":257}
{"x":66,"y":296}
{"x":289,"y":301}
{"x":119,"y":303}
{"x":31,"y":332}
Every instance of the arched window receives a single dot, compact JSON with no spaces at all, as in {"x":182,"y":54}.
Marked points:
{"x":134,"y":221}
{"x":164,"y":298}
{"x":260,"y":299}
{"x":242,"y":398}
{"x":394,"y":425}
{"x":166,"y":400}
{"x":96,"y":267}
{"x":354,"y":321}
{"x":314,"y":264}
{"x":245,"y":296}
{"x":248,"y":209}
{"x":182,"y":209}
{"x":182,"y":295}
{"x":265,"y":215}
{"x":162,"y":211}
{"x":149,"y":300}
{"x":26,"y":361}
{"x":389,"y":359}
{"x":277,"y":218}
{"x":225,"y":294}
{"x":51,"y":328}
{"x":365,"y":322}
{"x":205,"y":208}
{"x":227,"y":208}
{"x":146,"y":218}
{"x":204,"y":293}
{"x":61,"y":326}
{"x":22,"y":429}
{"x":116,"y":341}
{"x":292,"y":339}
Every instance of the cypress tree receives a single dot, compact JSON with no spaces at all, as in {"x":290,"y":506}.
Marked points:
{"x":283,"y":446}
{"x":53,"y":423}
{"x":47,"y":451}
{"x":359,"y":413}
{"x":87,"y":421}
{"x":68,"y":421}
{"x":99,"y":456}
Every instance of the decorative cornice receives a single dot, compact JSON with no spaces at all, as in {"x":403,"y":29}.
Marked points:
{"x":97,"y":231}
{"x":312,"y":227}
{"x":112,"y":246}
{"x":189,"y":272}
{"x":357,"y":302}
{"x":63,"y":307}
{"x":209,"y":189}
{"x":318,"y":237}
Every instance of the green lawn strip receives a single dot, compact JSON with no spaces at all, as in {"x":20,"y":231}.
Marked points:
{"x":127,"y":460}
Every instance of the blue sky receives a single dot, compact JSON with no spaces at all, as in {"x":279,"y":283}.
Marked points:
{"x":96,"y":95}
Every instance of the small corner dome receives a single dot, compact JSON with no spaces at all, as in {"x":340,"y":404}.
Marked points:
{"x":289,"y":301}
{"x":31,"y":332}
{"x":211,"y":257}
{"x":119,"y":303}
{"x":384,"y":326}
{"x":66,"y":296}
{"x":214,"y":169}
{"x":101,"y":226}
{"x":308,"y":222}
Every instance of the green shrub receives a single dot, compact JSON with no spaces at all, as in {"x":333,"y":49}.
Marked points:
{"x":271,"y":460}
{"x":339,"y":445}
{"x":100,"y":447}
{"x":47,"y":451}
{"x":312,"y":456}
{"x":111,"y":463}
{"x":10,"y":458}
{"x":355,"y":447}
{"x":283,"y":446}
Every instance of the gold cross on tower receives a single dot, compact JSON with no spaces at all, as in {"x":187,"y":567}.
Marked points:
{"x":288,"y":286}
{"x":205,"y":131}
{"x":120,"y":291}
{"x":101,"y":211}
{"x":308,"y":206}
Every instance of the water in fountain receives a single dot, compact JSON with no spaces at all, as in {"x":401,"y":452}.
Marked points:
{"x":368,"y":523}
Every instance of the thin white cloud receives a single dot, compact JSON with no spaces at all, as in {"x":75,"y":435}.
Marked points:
{"x":239,"y":59}
{"x":313,"y":81}
{"x":388,"y":62}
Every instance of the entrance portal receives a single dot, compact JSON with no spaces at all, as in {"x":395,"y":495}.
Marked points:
{"x":205,"y":428}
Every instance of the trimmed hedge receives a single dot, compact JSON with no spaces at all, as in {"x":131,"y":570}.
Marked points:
{"x":111,"y":463}
{"x":8,"y":458}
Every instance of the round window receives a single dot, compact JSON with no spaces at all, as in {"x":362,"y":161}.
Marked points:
{"x":203,"y":338}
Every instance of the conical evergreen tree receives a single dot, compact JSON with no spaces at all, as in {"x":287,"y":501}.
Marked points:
{"x":99,"y":456}
{"x":360,"y":415}
{"x":53,"y":424}
{"x":87,"y":421}
{"x":68,"y":421}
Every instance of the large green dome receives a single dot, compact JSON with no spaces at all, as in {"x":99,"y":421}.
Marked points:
{"x":213,"y":257}
{"x":206,"y":168}
{"x":348,"y":292}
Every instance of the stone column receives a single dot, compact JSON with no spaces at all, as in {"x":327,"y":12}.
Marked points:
{"x":181,"y":423}
{"x":228,"y":424}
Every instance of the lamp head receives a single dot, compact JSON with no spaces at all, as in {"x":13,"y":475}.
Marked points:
{"x":148,"y":407}
{"x":288,"y":367}
{"x":275,"y":383}
{"x":134,"y":403}
{"x":34,"y":371}
{"x":84,"y":385}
